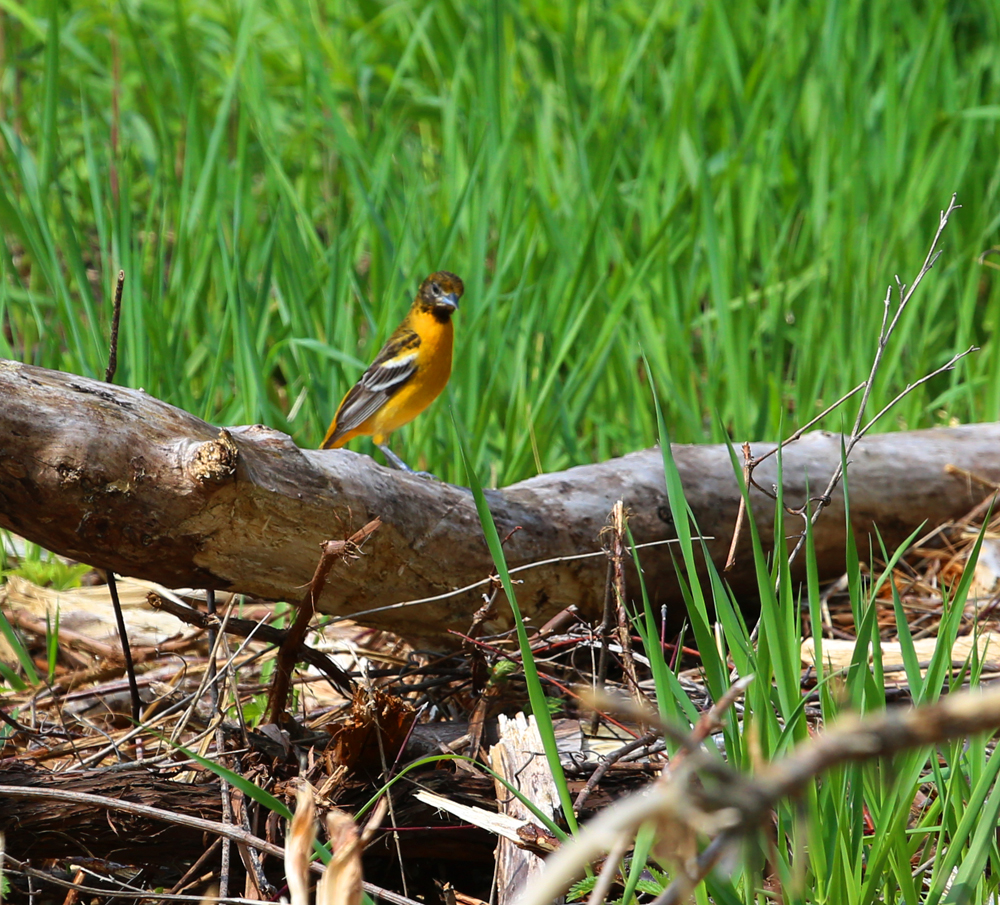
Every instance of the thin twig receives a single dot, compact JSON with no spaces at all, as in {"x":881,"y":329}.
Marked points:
{"x":116,"y":313}
{"x":215,"y":639}
{"x":194,"y":868}
{"x":749,"y":466}
{"x":485,"y":581}
{"x":618,"y":520}
{"x":244,"y":627}
{"x":609,"y":871}
{"x":906,"y":294}
{"x":742,"y":511}
{"x":912,"y":386}
{"x":711,"y":720}
{"x":288,"y":652}
{"x":604,"y":633}
{"x":109,"y":377}
{"x":824,"y":499}
{"x":861,"y":426}
{"x":133,"y":686}
{"x":213,"y":827}
{"x":607,"y":763}
{"x":798,"y":432}
{"x":213,"y":634}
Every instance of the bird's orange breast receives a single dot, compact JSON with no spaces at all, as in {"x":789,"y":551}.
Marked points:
{"x":433,"y":368}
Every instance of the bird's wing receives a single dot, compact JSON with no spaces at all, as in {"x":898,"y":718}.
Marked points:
{"x":387,"y":375}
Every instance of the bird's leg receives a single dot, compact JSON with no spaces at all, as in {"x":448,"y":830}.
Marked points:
{"x":397,"y":462}
{"x":394,"y":460}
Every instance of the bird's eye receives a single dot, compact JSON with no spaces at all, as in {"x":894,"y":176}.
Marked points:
{"x":435,"y":288}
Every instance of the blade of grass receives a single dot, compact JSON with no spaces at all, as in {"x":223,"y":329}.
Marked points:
{"x":536,"y":692}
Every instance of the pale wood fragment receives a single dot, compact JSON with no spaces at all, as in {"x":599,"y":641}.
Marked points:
{"x":519,"y":758}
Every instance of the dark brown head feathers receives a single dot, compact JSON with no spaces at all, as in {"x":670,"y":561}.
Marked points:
{"x":440,"y":292}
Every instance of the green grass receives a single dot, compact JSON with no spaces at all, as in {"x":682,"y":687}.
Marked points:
{"x":725,"y":188}
{"x":855,"y":833}
{"x":825,"y":851}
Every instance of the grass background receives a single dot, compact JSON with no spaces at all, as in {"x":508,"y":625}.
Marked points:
{"x":727,"y":188}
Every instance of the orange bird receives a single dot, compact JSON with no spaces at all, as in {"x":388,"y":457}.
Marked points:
{"x":407,"y":375}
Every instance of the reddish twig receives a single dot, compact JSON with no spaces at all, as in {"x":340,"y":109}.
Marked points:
{"x":288,"y":652}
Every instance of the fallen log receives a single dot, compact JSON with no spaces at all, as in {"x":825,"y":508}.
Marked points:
{"x":44,"y":828}
{"x":116,"y":478}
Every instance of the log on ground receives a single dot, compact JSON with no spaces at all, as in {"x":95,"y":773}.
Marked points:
{"x":115,"y":478}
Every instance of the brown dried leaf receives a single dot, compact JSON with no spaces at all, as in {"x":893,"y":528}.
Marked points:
{"x":342,"y":883}
{"x":299,"y":846}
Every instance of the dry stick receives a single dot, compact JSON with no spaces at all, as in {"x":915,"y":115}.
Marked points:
{"x":220,"y":740}
{"x":257,"y":884}
{"x":615,"y":591}
{"x":858,"y":431}
{"x":750,"y":799}
{"x":741,"y":513}
{"x":250,"y":858}
{"x":181,"y":724}
{"x":109,"y":374}
{"x":824,"y":499}
{"x":607,"y":763}
{"x":711,"y":720}
{"x":194,"y":868}
{"x":393,"y":825}
{"x":605,"y":636}
{"x":226,"y":831}
{"x":30,"y":872}
{"x":244,"y":627}
{"x":109,"y":377}
{"x":624,"y":633}
{"x":609,"y":871}
{"x":485,"y":581}
{"x":912,"y":386}
{"x":861,"y":428}
{"x":133,"y":685}
{"x":196,"y":823}
{"x":213,"y":634}
{"x":331,"y":550}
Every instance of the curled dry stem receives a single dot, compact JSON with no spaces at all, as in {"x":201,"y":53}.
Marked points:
{"x":706,"y":796}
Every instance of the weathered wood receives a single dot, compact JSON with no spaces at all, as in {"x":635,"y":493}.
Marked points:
{"x":52,"y":829}
{"x":113,"y":477}
{"x":519,"y":758}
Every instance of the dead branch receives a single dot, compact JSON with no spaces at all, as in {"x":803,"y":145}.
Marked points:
{"x":812,"y":512}
{"x":288,"y":652}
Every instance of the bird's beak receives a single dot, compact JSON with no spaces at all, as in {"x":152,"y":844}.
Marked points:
{"x":449,"y":301}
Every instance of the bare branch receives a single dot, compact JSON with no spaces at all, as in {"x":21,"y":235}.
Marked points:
{"x":912,"y":386}
{"x":861,"y":427}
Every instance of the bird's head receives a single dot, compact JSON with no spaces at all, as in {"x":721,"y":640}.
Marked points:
{"x":440,"y":293}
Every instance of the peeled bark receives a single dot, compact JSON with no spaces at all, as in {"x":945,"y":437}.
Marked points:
{"x":115,"y":478}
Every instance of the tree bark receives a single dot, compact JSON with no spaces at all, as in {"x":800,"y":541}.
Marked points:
{"x":113,"y":477}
